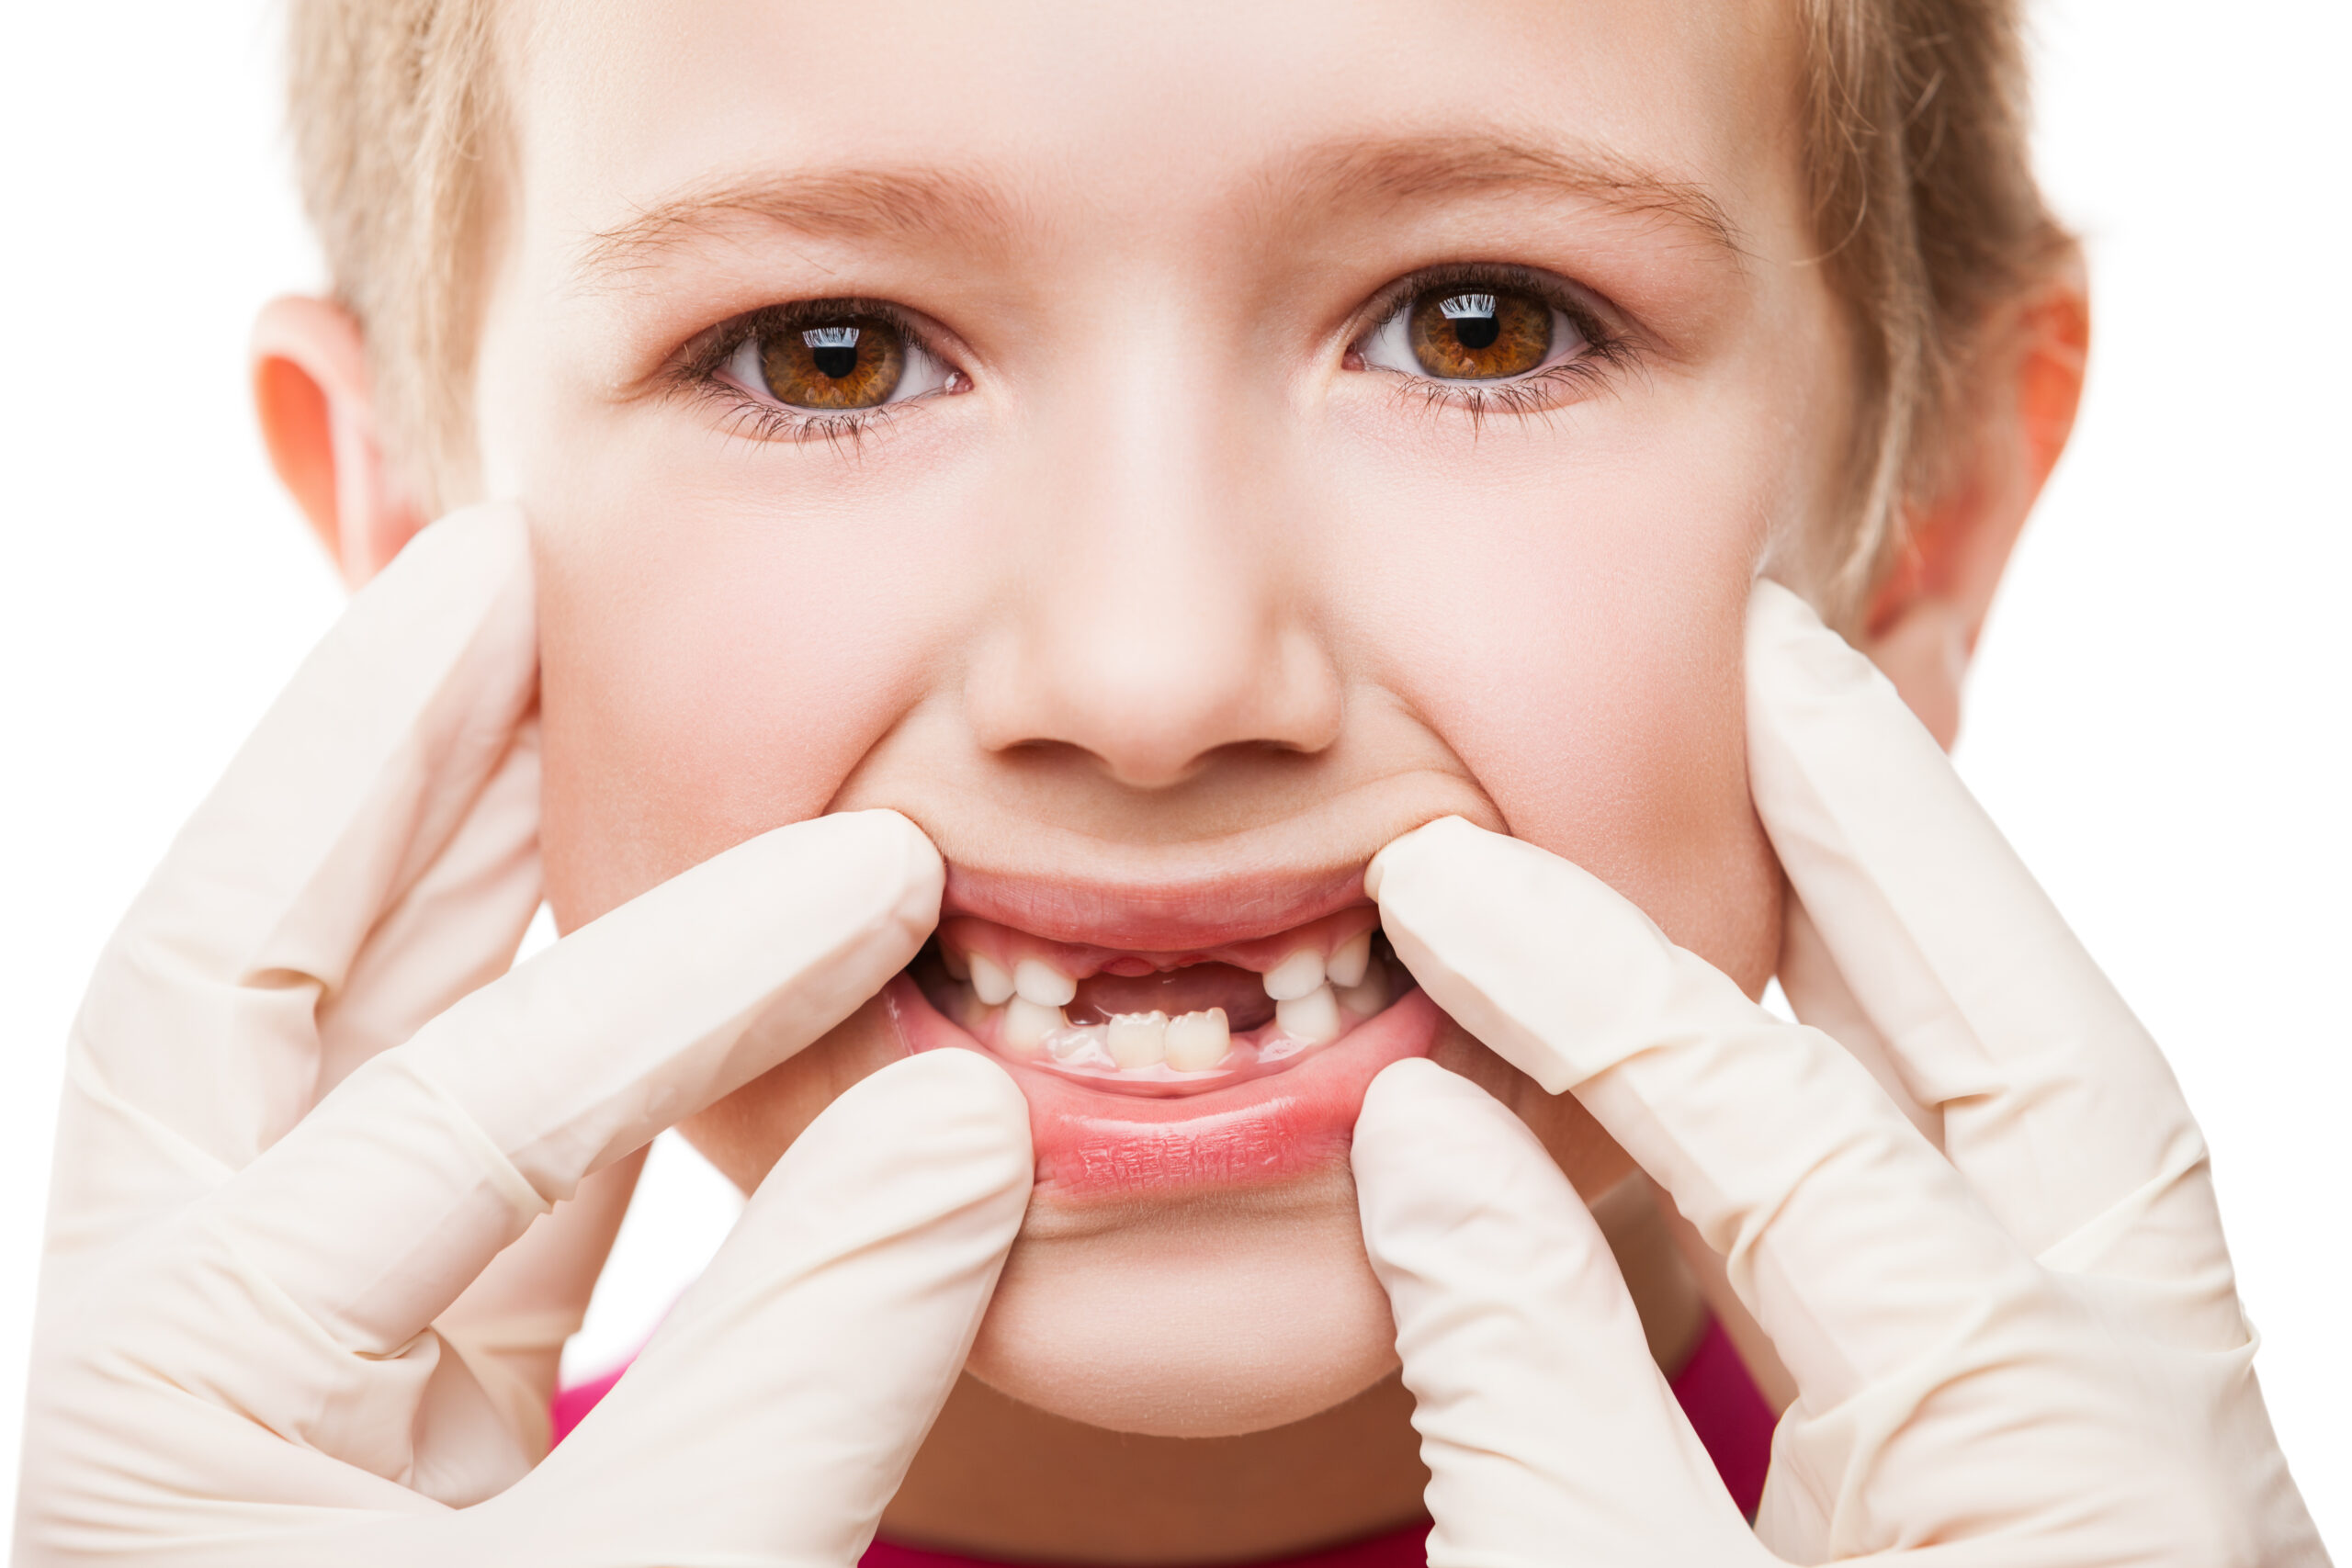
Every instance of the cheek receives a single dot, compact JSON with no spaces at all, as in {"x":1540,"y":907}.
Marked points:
{"x":713,"y":665}
{"x":1628,"y":756}
{"x":1575,"y":637}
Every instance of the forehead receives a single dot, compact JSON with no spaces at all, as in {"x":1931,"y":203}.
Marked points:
{"x":1142,"y":121}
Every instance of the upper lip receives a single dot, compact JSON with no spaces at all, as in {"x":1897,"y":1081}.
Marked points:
{"x":1163,"y":915}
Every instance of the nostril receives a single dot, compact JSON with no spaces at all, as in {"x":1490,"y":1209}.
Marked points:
{"x":1152,"y":703}
{"x":1134,"y":765}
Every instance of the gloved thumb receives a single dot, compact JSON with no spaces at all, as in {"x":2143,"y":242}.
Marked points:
{"x":776,"y":1413}
{"x":1549,"y":1433}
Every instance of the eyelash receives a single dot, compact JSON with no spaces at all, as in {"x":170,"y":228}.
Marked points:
{"x":698,"y":373}
{"x":1540,"y":392}
{"x":1608,"y":351}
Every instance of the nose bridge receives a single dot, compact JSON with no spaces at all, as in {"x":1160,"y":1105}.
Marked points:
{"x":1155,"y":618}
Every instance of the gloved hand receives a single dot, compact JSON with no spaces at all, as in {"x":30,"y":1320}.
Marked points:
{"x":288,"y":1145}
{"x":2024,"y":1347}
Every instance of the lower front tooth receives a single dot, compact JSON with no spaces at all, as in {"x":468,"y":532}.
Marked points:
{"x":1078,"y":1042}
{"x":1198,"y":1040}
{"x":1026,"y":1024}
{"x":1137,"y":1039}
{"x":1313,"y":1019}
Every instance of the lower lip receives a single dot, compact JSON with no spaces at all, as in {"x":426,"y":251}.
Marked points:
{"x":1094,"y":1145}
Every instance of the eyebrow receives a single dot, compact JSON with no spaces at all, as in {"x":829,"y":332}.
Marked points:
{"x":1409,"y":170}
{"x":930,"y":203}
{"x":844,"y":204}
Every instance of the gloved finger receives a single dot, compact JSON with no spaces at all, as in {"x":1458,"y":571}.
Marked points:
{"x":1856,"y":1246}
{"x":1819,"y":996}
{"x":2055,"y":1102}
{"x":1547,"y":1430}
{"x":451,"y":931}
{"x":776,"y":1410}
{"x":198,"y":1044}
{"x":513,"y":1322}
{"x":306,"y":1282}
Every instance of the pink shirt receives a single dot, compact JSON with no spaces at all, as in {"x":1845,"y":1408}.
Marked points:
{"x":1729,"y":1415}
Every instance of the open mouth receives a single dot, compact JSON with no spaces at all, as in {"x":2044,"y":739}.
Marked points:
{"x":1161,"y":1023}
{"x":1171,"y":1035}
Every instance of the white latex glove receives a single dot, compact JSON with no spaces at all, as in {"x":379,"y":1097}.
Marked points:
{"x":2023,"y":1350}
{"x":234,"y":1361}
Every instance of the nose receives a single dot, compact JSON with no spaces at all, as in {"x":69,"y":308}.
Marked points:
{"x":1157,"y":619}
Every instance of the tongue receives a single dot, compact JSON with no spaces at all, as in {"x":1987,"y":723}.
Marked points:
{"x":1194,"y":988}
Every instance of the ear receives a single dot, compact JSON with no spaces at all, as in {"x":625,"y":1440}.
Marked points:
{"x":312,"y":393}
{"x":1925,"y":619}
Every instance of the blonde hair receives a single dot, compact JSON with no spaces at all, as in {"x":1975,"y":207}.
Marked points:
{"x":1929,"y":219}
{"x":1926,"y":211}
{"x":395,"y":108}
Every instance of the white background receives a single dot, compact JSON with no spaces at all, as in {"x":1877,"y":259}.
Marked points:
{"x":2158,"y":717}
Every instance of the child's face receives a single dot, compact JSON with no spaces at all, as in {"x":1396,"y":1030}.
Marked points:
{"x":1309,"y":419}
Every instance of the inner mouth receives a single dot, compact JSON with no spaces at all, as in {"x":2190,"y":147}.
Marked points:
{"x":1161,"y":1023}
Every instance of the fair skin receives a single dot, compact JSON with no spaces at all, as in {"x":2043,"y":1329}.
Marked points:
{"x":1174,"y":589}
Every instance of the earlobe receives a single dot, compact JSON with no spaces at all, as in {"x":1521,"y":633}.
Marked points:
{"x":312,"y":394}
{"x":1925,"y":619}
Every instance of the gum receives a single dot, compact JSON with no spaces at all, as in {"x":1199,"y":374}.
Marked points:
{"x":963,"y":935}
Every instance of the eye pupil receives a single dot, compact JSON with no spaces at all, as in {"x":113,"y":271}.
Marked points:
{"x":1476,"y":331}
{"x":834,"y":350}
{"x":1475,"y":326}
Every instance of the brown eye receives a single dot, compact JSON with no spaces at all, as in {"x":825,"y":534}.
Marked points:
{"x":1478,"y":334}
{"x":852,"y":363}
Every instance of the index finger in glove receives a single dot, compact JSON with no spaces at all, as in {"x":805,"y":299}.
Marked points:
{"x":198,"y":1044}
{"x":363,"y":1223}
{"x":1857,"y":1245}
{"x":1543,"y":1421}
{"x":2055,"y":1101}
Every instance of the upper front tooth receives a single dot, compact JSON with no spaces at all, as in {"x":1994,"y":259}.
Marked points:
{"x":1198,"y":1040}
{"x":1040,"y":982}
{"x":1349,"y":959}
{"x":1137,"y":1039}
{"x":1295,"y":977}
{"x":989,"y":981}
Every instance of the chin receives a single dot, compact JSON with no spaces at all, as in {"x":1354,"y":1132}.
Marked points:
{"x":1204,"y":1319}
